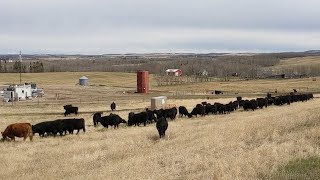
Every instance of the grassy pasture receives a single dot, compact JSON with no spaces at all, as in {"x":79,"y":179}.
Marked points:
{"x":301,"y":61}
{"x":240,"y":145}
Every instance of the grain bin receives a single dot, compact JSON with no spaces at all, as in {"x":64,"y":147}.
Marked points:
{"x":83,"y":81}
{"x":142,"y":82}
{"x":158,"y":102}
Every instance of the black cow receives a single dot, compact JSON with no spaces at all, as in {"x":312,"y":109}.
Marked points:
{"x":281,"y":100}
{"x":171,"y":113}
{"x":167,"y":113}
{"x":252,"y":104}
{"x":136,"y":119}
{"x":220,"y":108}
{"x":198,"y":110}
{"x":229,"y":107}
{"x":183,"y":111}
{"x":310,"y":96}
{"x":111,"y":120}
{"x":217,"y":92}
{"x":96,"y":118}
{"x":211,"y":109}
{"x":113,"y":106}
{"x":48,"y":127}
{"x":262,"y":102}
{"x":159,"y":113}
{"x":162,"y":126}
{"x":151,"y":116}
{"x":73,"y":124}
{"x":270,"y":100}
{"x":70,"y":109}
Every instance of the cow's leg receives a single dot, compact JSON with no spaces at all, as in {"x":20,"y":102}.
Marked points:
{"x":78,"y":131}
{"x":30,"y":137}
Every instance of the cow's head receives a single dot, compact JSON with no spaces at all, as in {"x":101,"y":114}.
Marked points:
{"x":3,"y":136}
{"x":123,"y":121}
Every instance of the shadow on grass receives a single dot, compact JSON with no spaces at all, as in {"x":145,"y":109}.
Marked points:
{"x":154,"y":138}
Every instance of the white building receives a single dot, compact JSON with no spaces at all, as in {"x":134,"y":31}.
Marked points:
{"x":17,"y":92}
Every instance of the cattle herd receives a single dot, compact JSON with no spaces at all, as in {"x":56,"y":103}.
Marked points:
{"x":160,"y":117}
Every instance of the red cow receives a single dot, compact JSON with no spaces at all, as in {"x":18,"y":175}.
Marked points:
{"x":18,"y":130}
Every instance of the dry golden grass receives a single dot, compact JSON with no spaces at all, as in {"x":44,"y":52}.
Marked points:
{"x":300,"y":61}
{"x":241,"y":145}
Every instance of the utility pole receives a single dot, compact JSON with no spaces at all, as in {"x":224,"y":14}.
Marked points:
{"x":20,"y":65}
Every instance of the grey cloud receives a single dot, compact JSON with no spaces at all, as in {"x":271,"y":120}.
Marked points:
{"x":115,"y":25}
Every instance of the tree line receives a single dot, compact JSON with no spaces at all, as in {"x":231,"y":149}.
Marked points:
{"x":221,"y":66}
{"x":24,"y":67}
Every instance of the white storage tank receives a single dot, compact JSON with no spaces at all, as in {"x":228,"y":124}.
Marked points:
{"x":83,"y":81}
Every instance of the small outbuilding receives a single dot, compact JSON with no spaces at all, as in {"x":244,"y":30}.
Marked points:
{"x":158,"y":102}
{"x":83,"y":81}
{"x":17,"y":92}
{"x":174,"y":72}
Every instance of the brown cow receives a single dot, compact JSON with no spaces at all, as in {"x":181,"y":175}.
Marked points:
{"x":18,"y":130}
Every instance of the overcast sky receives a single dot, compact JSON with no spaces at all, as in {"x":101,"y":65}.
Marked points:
{"x":146,"y":26}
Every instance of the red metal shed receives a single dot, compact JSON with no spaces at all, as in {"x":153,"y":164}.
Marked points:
{"x":143,"y":82}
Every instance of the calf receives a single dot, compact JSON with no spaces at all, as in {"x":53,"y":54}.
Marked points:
{"x":162,"y":126}
{"x":183,"y":111}
{"x":113,"y":106}
{"x":18,"y":130}
{"x":96,"y":118}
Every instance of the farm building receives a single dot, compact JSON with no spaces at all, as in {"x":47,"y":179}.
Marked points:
{"x":21,"y":92}
{"x":17,"y":92}
{"x":83,"y":81}
{"x":174,"y":72}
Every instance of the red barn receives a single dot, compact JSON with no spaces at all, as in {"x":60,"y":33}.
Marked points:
{"x":173,"y":72}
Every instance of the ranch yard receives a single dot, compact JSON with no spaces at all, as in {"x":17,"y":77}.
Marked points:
{"x":278,"y":142}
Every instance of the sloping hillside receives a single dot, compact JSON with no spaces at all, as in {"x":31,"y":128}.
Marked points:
{"x":240,"y":145}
